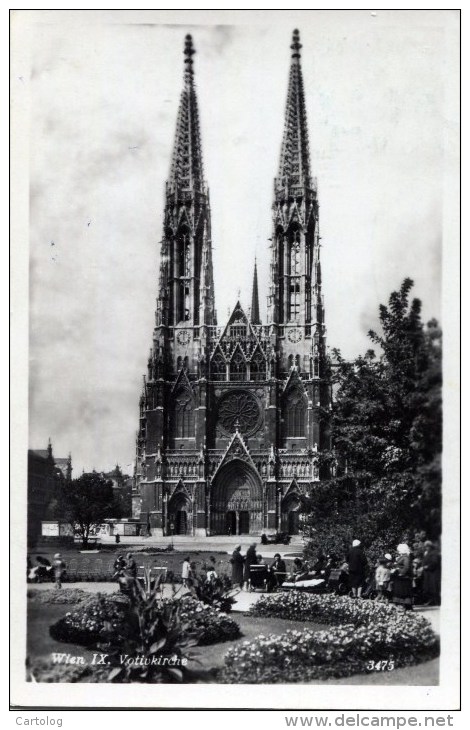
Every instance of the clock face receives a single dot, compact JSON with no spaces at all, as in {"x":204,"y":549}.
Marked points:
{"x":294,"y":334}
{"x":183,"y":337}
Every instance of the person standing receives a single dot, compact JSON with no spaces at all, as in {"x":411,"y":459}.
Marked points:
{"x":186,"y":571}
{"x":382,"y":579}
{"x":131,"y":566}
{"x":402,"y":578}
{"x":357,"y":567}
{"x":250,"y":560}
{"x":237,"y":561}
{"x":431,"y":575}
{"x":59,"y":569}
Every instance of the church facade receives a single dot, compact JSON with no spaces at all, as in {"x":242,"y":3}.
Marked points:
{"x":233,"y":417}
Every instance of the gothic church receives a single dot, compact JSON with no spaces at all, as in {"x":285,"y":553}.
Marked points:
{"x":233,"y":417}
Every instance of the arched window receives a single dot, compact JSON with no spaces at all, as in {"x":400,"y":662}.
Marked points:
{"x":294,"y":414}
{"x":258,"y":366}
{"x":183,"y":415}
{"x":238,"y":367}
{"x":295,"y":255}
{"x":218,"y":368}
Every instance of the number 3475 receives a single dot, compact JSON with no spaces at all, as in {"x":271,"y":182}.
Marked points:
{"x":384,"y":665}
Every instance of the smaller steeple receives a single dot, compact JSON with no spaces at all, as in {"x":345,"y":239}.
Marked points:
{"x":255,"y":316}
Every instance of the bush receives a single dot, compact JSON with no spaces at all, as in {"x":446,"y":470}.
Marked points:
{"x":362,"y":632}
{"x":217,"y":592}
{"x":214,"y":625}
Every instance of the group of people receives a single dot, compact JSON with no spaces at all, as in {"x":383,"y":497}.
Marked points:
{"x":244,"y":567}
{"x":402,"y":579}
{"x":45,"y":571}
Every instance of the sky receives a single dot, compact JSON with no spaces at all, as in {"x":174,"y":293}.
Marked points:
{"x":103,"y":92}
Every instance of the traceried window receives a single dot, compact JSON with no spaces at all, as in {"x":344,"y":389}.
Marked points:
{"x":295,"y":255}
{"x":294,"y":415}
{"x":183,"y":415}
{"x":258,"y":366}
{"x":218,"y":367}
{"x":238,"y":367}
{"x":294,"y":299}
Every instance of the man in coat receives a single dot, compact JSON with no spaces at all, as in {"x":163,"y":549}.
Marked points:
{"x":237,"y":561}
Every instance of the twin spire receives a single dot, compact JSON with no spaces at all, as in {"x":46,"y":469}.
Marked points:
{"x":186,"y":180}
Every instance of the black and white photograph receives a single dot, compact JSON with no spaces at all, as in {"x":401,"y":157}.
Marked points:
{"x":235,"y":268}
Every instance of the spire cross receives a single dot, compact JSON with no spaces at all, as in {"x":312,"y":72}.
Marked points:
{"x":296,"y":44}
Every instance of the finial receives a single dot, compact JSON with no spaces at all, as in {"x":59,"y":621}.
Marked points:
{"x":188,"y":52}
{"x":296,"y":44}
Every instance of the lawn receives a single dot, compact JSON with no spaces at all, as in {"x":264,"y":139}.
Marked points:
{"x":41,"y":646}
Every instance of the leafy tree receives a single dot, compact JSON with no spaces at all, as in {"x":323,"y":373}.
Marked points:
{"x":86,"y":501}
{"x":384,"y":474}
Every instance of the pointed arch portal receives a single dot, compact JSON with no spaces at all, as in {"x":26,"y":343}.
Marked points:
{"x":180,"y":514}
{"x":290,"y":513}
{"x":236,"y":501}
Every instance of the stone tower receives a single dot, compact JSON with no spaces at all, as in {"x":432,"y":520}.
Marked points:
{"x":232,"y":418}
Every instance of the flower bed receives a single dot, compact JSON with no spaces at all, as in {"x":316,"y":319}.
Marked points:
{"x":63,"y":596}
{"x":362,"y":633}
{"x":104,"y":618}
{"x":216,"y":625}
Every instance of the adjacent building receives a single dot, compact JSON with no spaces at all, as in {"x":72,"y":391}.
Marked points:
{"x":45,"y":474}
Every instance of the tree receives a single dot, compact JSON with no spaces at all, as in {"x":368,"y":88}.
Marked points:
{"x":86,"y":501}
{"x":384,"y":474}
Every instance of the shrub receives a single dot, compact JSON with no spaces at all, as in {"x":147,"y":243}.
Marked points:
{"x":362,"y":631}
{"x":214,"y":625}
{"x":217,"y":592}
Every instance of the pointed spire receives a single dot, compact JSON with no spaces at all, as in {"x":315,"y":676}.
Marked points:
{"x":255,"y":317}
{"x":186,"y":166}
{"x":294,"y":168}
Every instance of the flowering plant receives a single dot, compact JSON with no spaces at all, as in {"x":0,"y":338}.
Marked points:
{"x":359,"y":631}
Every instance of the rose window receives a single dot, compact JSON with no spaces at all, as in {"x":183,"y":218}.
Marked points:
{"x":238,"y":410}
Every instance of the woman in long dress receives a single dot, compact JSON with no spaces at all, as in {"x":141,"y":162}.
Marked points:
{"x":402,"y":578}
{"x":237,"y":567}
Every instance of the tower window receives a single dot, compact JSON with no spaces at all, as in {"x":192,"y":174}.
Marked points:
{"x":183,"y":418}
{"x":294,"y":303}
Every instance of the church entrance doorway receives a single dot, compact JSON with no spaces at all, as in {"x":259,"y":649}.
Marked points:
{"x":181,"y":522}
{"x":290,"y":514}
{"x":236,"y":500}
{"x":244,"y":523}
{"x":293,"y":523}
{"x":179,"y":514}
{"x":231,"y":523}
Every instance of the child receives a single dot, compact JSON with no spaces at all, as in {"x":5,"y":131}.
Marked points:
{"x":382,"y":579}
{"x":211,"y":572}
